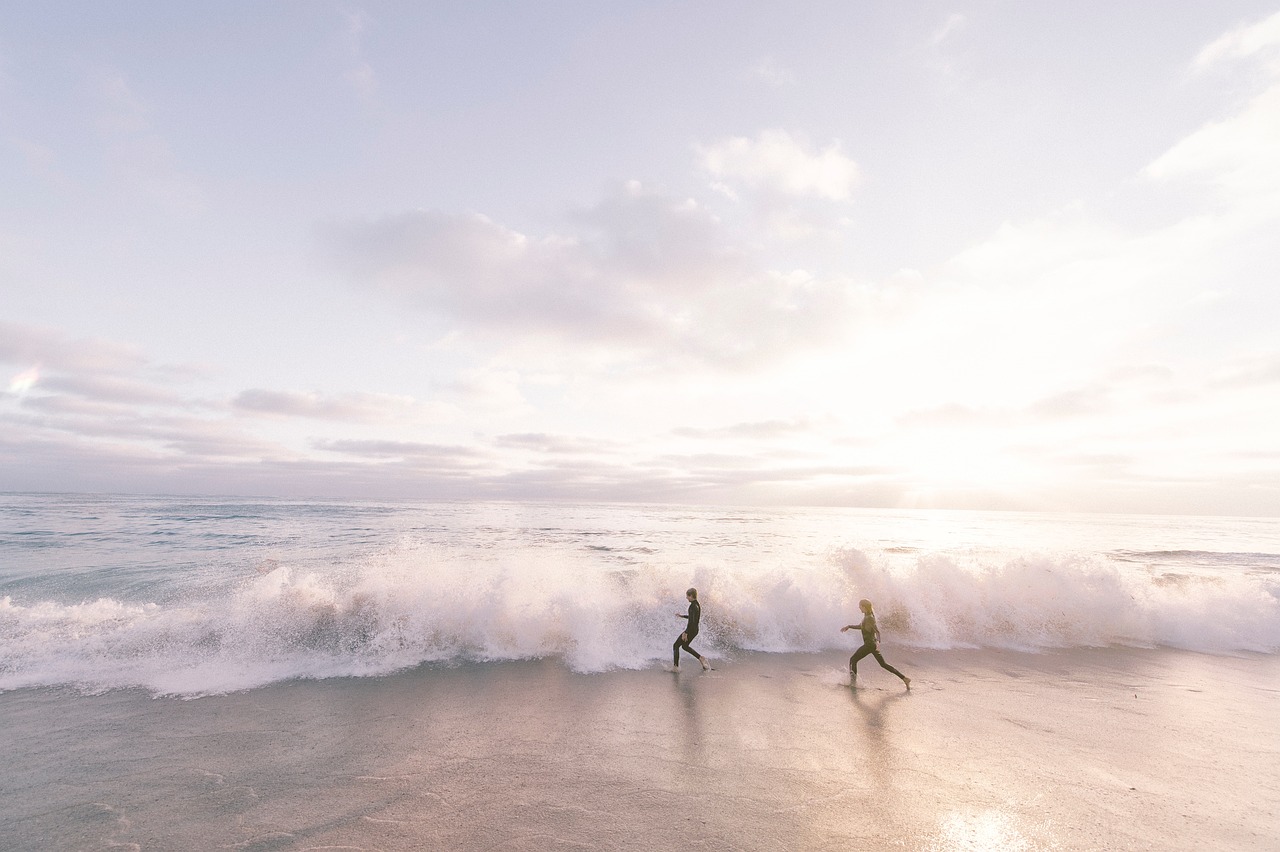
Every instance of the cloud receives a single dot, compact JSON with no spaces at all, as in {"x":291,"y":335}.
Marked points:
{"x":28,"y":345}
{"x":542,"y":442}
{"x":719,"y":474}
{"x":1112,"y":463}
{"x":66,"y":406}
{"x":107,"y":401}
{"x":1238,"y":155}
{"x":657,"y":243}
{"x":113,"y":389}
{"x":1074,"y":403}
{"x":87,"y":375}
{"x":491,"y":389}
{"x":193,"y":439}
{"x":471,"y":268}
{"x":1253,"y":372}
{"x":353,"y":407}
{"x":641,"y":274}
{"x":1145,"y":386}
{"x":78,"y":426}
{"x":1043,"y":306}
{"x":413,"y":451}
{"x":950,"y":415}
{"x":1245,"y":41}
{"x":777,"y":163}
{"x":766,"y":429}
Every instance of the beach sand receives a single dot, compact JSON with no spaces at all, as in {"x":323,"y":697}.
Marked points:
{"x":1087,"y":749}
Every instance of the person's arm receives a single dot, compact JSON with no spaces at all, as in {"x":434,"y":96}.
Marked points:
{"x":849,"y":627}
{"x":681,"y":615}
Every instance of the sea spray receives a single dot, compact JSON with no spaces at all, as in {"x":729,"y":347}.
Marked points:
{"x":416,"y":604}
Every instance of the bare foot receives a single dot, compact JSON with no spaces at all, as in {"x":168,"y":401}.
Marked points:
{"x":907,"y":681}
{"x":706,"y":667}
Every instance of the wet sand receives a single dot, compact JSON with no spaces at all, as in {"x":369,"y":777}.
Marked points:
{"x":1098,"y":749}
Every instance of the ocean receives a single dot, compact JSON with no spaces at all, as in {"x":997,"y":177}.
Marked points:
{"x":263,"y":674}
{"x":198,"y":596}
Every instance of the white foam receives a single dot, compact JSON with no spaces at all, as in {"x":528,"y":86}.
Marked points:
{"x":411,"y":607}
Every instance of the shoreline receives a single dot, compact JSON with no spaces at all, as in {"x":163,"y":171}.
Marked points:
{"x":1079,"y":749}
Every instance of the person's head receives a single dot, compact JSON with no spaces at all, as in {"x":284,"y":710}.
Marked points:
{"x":691,"y":594}
{"x":865,"y":606}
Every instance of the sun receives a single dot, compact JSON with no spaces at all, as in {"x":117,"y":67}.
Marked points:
{"x":966,"y":469}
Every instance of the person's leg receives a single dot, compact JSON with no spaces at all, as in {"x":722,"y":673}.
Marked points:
{"x":889,"y":668}
{"x":685,"y":641}
{"x":853,"y":661}
{"x":688,"y":646}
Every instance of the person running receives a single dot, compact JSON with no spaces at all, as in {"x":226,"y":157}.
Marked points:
{"x":685,"y":639}
{"x":870,"y":644}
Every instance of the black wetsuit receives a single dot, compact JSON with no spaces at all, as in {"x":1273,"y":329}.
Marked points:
{"x":869,"y":646}
{"x":685,"y":639}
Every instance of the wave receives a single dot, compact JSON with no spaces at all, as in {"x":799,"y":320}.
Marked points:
{"x":1201,"y":558}
{"x":405,"y":609}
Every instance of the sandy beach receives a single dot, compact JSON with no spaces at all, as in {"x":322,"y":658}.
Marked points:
{"x":1091,"y":749}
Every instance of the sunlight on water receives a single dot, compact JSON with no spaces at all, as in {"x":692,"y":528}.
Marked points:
{"x":987,"y":831}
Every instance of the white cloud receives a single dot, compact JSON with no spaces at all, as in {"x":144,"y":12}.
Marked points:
{"x":349,"y":407}
{"x":1042,"y":307}
{"x":1245,"y":41}
{"x":777,"y":162}
{"x":120,"y":390}
{"x":1024,"y":338}
{"x":30,"y":344}
{"x":437,"y":454}
{"x":644,"y":346}
{"x":551,"y":444}
{"x":1239,"y":155}
{"x":764,"y":430}
{"x":641,"y":274}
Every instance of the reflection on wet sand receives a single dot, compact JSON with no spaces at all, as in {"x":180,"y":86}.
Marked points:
{"x":978,"y":830}
{"x":691,"y":733}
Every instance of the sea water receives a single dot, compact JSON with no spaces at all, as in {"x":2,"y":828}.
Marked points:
{"x":198,"y":596}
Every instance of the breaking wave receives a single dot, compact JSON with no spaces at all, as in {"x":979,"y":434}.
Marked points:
{"x":404,"y":609}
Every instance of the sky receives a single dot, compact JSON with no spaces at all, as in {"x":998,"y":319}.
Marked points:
{"x":973,"y":255}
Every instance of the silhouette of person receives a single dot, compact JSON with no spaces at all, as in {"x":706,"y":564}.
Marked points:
{"x":870,"y":644}
{"x":685,"y":639}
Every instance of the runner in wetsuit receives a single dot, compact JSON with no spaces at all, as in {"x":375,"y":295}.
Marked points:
{"x":685,"y":639}
{"x":870,"y":644}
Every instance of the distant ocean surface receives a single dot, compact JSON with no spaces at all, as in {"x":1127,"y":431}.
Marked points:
{"x":198,"y":596}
